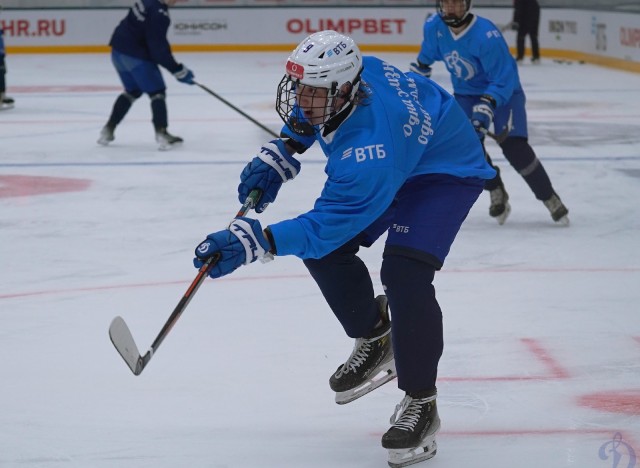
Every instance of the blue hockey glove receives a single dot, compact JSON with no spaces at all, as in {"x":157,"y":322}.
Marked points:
{"x":184,"y":75}
{"x":420,"y":68}
{"x":267,"y":172}
{"x":242,"y":243}
{"x":482,"y":115}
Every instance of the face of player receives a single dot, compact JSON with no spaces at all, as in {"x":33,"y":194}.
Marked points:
{"x":313,"y":102}
{"x":454,"y":8}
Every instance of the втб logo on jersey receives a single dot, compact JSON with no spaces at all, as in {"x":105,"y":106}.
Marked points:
{"x":365,"y":153}
{"x":460,"y":67}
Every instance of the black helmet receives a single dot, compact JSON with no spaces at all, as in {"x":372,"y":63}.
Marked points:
{"x":455,"y":21}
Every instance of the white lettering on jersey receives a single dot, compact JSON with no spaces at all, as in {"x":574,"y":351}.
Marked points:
{"x":419,"y":118}
{"x":368,"y":152}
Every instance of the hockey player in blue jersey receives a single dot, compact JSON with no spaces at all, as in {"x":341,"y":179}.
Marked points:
{"x":139,"y":46}
{"x":402,"y":158}
{"x":487,"y":85}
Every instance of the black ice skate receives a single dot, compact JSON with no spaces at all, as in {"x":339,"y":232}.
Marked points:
{"x":557,"y":209}
{"x":6,"y":102}
{"x":500,"y":207}
{"x":412,"y":437}
{"x":106,"y":135}
{"x":371,"y":363}
{"x":166,"y":140}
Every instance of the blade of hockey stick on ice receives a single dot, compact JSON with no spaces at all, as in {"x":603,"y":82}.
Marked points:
{"x":123,"y":341}
{"x":119,"y":331}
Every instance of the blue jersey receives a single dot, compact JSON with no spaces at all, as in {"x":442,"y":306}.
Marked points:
{"x":409,"y":126}
{"x":143,"y":34}
{"x":478,"y":58}
{"x":1,"y":41}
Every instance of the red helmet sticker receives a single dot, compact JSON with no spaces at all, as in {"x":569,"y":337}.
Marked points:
{"x":295,"y":70}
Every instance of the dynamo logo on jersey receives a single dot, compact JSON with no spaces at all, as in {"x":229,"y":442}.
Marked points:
{"x":458,"y":66}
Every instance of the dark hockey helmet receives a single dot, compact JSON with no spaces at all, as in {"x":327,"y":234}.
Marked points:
{"x":453,"y":20}
{"x":326,"y":59}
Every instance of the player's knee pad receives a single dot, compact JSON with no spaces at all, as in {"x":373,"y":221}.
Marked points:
{"x":406,"y":277}
{"x":156,"y":95}
{"x":520,"y":155}
{"x":132,"y":95}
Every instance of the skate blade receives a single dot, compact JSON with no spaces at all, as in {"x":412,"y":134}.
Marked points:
{"x":505,"y":214}
{"x":168,"y":146}
{"x":384,"y":375}
{"x":564,"y":221}
{"x":406,"y":457}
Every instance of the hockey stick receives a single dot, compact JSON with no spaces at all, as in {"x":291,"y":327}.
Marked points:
{"x":121,"y":335}
{"x":247,"y":116}
{"x":500,"y":137}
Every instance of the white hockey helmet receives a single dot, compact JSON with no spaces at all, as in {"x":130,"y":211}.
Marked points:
{"x":326,"y":59}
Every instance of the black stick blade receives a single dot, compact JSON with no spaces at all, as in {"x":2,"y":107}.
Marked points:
{"x":123,"y":341}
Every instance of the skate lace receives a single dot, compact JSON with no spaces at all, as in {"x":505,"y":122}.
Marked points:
{"x":358,"y":356}
{"x":408,"y":412}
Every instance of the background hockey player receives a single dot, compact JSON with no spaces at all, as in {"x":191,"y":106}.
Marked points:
{"x":139,"y":46}
{"x":402,"y":158}
{"x":487,"y":86}
{"x":5,"y":101}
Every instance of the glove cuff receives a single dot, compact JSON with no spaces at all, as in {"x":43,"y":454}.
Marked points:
{"x":489,"y":100}
{"x":256,"y":247}
{"x":275,"y":155}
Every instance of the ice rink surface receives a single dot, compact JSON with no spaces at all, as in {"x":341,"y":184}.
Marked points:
{"x":542,"y":322}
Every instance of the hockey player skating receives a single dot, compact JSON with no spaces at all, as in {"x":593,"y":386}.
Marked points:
{"x":6,"y":102}
{"x":139,"y":46}
{"x":402,"y":158}
{"x":487,"y":85}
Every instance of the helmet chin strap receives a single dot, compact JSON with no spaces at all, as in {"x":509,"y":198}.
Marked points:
{"x":335,"y":94}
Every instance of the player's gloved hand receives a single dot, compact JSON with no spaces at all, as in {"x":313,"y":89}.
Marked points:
{"x":420,"y":68}
{"x":242,"y":243}
{"x":268,"y":171}
{"x":184,"y":75}
{"x":482,"y":115}
{"x":514,"y":26}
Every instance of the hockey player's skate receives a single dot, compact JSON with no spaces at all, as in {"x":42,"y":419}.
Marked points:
{"x":500,"y":207}
{"x":106,"y":135}
{"x":6,"y":102}
{"x":371,"y":363}
{"x":557,"y":209}
{"x":412,"y":437}
{"x":166,"y":140}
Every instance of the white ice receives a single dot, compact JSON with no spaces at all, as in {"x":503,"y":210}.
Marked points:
{"x":542,"y":323}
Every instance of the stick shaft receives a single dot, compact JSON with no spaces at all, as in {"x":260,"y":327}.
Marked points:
{"x":239,"y":111}
{"x":203,"y":272}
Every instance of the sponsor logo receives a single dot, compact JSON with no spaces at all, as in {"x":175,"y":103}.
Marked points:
{"x":193,"y":27}
{"x":295,"y":70}
{"x":366,"y":153}
{"x":38,"y":28}
{"x":563,"y":27}
{"x":630,"y":37}
{"x":599,"y":30}
{"x":373,"y":26}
